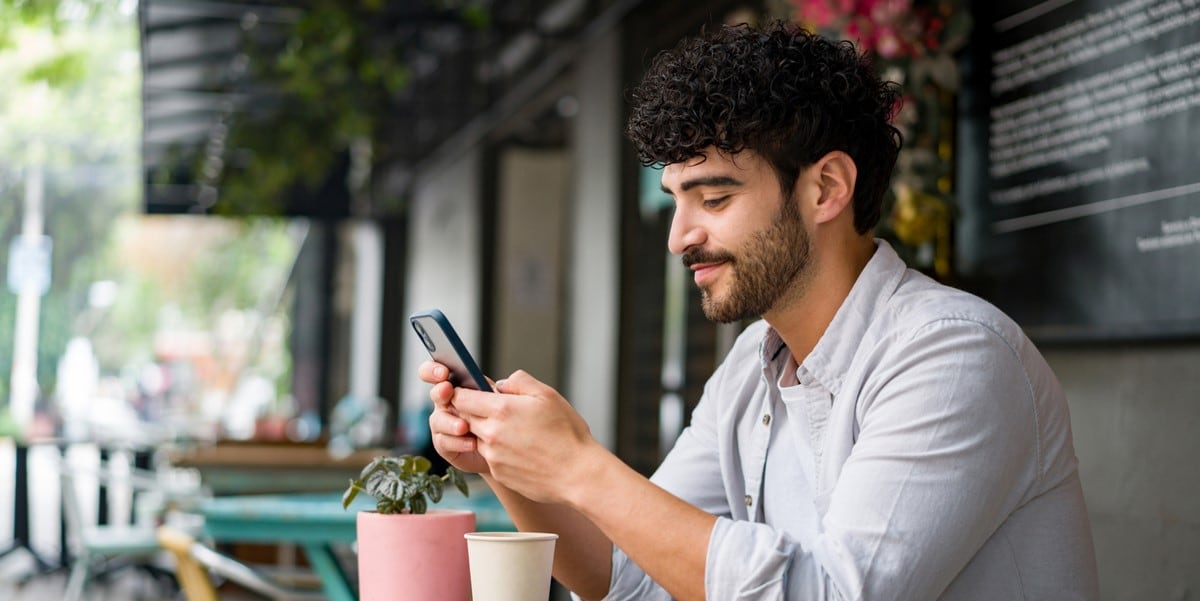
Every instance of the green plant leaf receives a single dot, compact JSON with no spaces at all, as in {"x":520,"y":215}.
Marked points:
{"x":434,"y":489}
{"x":417,"y":504}
{"x":421,"y":465}
{"x":66,"y":69}
{"x":350,"y":494}
{"x":458,"y":480}
{"x":403,"y":484}
{"x":375,"y":464}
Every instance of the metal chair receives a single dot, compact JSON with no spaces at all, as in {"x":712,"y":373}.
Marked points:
{"x":192,"y":576}
{"x":100,"y":549}
{"x":194,"y":560}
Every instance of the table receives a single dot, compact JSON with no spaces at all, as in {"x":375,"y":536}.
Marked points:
{"x":317,"y":521}
{"x":251,"y":467}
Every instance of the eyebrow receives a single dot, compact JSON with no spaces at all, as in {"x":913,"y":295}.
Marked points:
{"x":714,"y":180}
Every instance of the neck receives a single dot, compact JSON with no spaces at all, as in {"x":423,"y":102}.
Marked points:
{"x":802,"y":322}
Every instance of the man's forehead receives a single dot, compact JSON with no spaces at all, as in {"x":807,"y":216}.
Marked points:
{"x":711,"y":163}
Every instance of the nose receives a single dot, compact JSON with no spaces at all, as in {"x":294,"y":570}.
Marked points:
{"x":685,"y":232}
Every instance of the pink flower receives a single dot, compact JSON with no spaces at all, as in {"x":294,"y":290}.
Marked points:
{"x":817,"y":13}
{"x":890,"y":28}
{"x":856,"y":34}
{"x":889,"y":11}
{"x":887,"y":43}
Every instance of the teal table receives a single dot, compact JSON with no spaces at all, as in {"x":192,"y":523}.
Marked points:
{"x":317,"y":521}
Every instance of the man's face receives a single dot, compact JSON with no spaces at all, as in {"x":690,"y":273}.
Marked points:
{"x":745,"y":243}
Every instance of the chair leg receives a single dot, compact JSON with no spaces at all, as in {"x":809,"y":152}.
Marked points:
{"x":193,"y":578}
{"x":78,"y":579}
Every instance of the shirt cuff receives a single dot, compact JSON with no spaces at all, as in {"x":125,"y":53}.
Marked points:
{"x":629,"y":582}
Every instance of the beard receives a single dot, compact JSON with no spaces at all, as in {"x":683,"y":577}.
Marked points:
{"x":768,"y":269}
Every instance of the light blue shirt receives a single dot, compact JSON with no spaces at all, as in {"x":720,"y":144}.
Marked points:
{"x":921,"y":451}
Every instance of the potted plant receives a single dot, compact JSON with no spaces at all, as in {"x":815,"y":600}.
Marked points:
{"x":406,"y":550}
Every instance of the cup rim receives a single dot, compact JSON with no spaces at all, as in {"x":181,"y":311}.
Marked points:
{"x":515,"y":537}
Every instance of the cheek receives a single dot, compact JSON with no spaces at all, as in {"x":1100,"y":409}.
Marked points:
{"x":743,"y":233}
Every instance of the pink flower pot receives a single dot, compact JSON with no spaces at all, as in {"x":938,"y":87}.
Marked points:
{"x":414,"y":557}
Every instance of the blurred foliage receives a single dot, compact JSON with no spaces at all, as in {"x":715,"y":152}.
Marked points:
{"x":71,"y":109}
{"x":226,"y":280}
{"x":54,"y":16}
{"x":181,"y":276}
{"x":57,"y":59}
{"x":338,"y":73}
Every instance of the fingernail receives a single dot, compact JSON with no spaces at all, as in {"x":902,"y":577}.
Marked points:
{"x":500,"y":384}
{"x":439,"y":371}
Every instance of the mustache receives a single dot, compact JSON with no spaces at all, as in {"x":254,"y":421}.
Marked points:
{"x":699,"y":255}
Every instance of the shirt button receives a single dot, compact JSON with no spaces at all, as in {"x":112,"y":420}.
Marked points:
{"x":766,"y":420}
{"x":749,"y":500}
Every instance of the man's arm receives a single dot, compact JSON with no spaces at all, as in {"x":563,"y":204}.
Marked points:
{"x":662,"y":534}
{"x":541,"y":452}
{"x":919,"y":471}
{"x":582,"y":555}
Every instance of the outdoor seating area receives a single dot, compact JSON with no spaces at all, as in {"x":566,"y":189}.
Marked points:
{"x":162,"y":531}
{"x":859,"y":289}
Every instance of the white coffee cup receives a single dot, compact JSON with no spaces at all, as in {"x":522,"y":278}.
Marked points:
{"x":510,"y":566}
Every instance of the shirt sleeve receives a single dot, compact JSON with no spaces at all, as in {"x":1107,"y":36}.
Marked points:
{"x":946,"y":449}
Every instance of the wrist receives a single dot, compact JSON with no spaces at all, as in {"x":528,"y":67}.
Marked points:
{"x":587,"y":477}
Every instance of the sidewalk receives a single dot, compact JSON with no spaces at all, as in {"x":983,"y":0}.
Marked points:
{"x":127,"y":585}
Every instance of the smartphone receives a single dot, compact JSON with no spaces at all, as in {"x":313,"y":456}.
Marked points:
{"x":447,"y":348}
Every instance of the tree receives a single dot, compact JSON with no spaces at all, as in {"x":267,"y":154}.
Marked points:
{"x":70,"y":110}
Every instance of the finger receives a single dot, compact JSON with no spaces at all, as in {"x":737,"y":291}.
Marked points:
{"x":444,"y":443}
{"x":442,"y":422}
{"x":432,"y":372}
{"x":442,"y":394}
{"x":520,"y":382}
{"x":472,"y":404}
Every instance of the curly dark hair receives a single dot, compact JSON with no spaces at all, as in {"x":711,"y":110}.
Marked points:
{"x":785,"y":93}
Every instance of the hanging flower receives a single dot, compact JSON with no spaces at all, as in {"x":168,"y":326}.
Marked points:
{"x":912,"y":43}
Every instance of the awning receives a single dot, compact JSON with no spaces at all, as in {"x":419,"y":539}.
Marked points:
{"x":230,"y":110}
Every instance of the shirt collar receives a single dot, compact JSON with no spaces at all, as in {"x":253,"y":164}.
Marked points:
{"x":830,"y":359}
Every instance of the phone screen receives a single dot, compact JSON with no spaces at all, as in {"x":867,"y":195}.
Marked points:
{"x":445,"y":347}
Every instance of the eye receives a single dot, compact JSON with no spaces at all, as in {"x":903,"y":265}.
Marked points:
{"x":713,"y":203}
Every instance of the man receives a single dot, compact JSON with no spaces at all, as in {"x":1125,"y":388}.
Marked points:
{"x":875,"y":436}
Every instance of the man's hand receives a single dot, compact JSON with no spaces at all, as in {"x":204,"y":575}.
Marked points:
{"x":451,"y":434}
{"x":532,"y":440}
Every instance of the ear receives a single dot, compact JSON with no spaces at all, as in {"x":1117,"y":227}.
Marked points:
{"x":836,"y":175}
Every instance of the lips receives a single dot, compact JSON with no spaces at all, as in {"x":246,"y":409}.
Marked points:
{"x":704,"y":273}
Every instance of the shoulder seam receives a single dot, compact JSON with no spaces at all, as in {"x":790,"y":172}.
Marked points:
{"x":1030,"y":395}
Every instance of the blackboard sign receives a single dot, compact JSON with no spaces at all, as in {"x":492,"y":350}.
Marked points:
{"x":1088,"y":225}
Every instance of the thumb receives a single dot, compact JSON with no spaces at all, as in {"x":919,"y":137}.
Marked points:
{"x":520,"y":382}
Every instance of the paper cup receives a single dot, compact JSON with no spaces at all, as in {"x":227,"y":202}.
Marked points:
{"x":510,"y":566}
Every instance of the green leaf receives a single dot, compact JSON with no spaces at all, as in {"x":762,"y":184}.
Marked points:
{"x":403,"y":484}
{"x":406,"y":464}
{"x":476,"y":15}
{"x":459,"y":481}
{"x":417,"y":504}
{"x":66,"y":69}
{"x":435,"y":489}
{"x":421,"y":465}
{"x":375,"y":464}
{"x":350,"y":494}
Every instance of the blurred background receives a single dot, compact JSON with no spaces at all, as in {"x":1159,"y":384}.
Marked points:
{"x":216,"y":216}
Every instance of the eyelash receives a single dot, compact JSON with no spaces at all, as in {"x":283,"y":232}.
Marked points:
{"x":712,"y":203}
